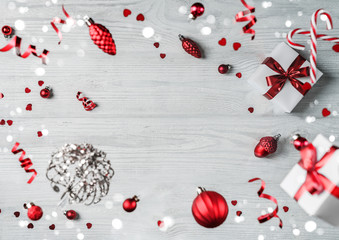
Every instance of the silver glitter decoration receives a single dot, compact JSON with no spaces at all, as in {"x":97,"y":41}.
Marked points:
{"x":82,"y":170}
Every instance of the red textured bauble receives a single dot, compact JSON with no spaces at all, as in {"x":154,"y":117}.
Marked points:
{"x":101,"y":36}
{"x":71,"y":214}
{"x":266,"y":146}
{"x":197,"y":9}
{"x":299,"y":142}
{"x":209,"y":208}
{"x":130,"y":204}
{"x":34,"y":212}
{"x":223,"y":68}
{"x":190,"y":46}
{"x":46,"y":92}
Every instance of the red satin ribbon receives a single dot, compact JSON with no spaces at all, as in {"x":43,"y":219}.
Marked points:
{"x":88,"y":104}
{"x":25,"y":163}
{"x":59,"y":20}
{"x":16,"y":42}
{"x":293,"y":72}
{"x":315,"y":182}
{"x":268,"y":216}
{"x":241,"y":17}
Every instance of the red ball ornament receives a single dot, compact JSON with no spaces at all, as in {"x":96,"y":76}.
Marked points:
{"x":101,"y":36}
{"x":223,"y":68}
{"x":71,"y":214}
{"x":46,"y":92}
{"x":34,"y":212}
{"x":130,"y":204}
{"x":266,"y":146}
{"x":7,"y":31}
{"x":190,"y":46}
{"x":197,"y":9}
{"x":209,"y":208}
{"x":299,"y":142}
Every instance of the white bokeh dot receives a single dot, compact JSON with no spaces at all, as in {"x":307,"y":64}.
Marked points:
{"x":300,"y":13}
{"x":11,"y":6}
{"x":210,"y":19}
{"x":54,"y":214}
{"x":44,"y":28}
{"x":40,"y":71}
{"x":9,"y":138}
{"x":69,"y":224}
{"x":288,"y":23}
{"x":18,"y":110}
{"x":148,"y":32}
{"x":261,"y":237}
{"x":117,"y":223}
{"x":19,"y":24}
{"x":80,"y":236}
{"x":206,"y":31}
{"x":44,"y":132}
{"x":310,"y":226}
{"x":80,"y":52}
{"x":331,"y":138}
{"x":109,"y":204}
{"x":296,"y":232}
{"x":80,"y":22}
{"x":182,"y":9}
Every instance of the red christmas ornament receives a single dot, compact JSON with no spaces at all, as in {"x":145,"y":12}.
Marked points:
{"x":130,"y":204}
{"x":197,"y":9}
{"x":209,"y":208}
{"x":34,"y":212}
{"x":299,"y":142}
{"x":190,"y":46}
{"x":46,"y":92}
{"x":223,"y":68}
{"x":71,"y":214}
{"x":266,"y":146}
{"x":101,"y":36}
{"x":7,"y":31}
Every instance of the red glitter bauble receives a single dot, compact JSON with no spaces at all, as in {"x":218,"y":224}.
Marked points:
{"x":34,"y":212}
{"x":190,"y":46}
{"x":223,"y":68}
{"x":71,"y":214}
{"x":209,"y":208}
{"x":130,"y":204}
{"x":266,"y":146}
{"x":45,"y":93}
{"x":101,"y":36}
{"x":299,"y":142}
{"x":197,"y":9}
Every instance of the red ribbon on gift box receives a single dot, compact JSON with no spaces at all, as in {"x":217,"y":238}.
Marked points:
{"x":315,"y":182}
{"x":293,"y":72}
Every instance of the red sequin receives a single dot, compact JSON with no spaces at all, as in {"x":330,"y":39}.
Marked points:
{"x":222,"y":42}
{"x":127,"y":12}
{"x":140,"y":17}
{"x":236,"y":46}
{"x":326,"y":112}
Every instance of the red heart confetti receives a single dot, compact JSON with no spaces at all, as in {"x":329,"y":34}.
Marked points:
{"x":29,"y":107}
{"x":222,"y":42}
{"x":30,"y":225}
{"x":162,"y":55}
{"x":239,"y":213}
{"x":236,"y":46}
{"x":52,"y":227}
{"x":127,"y":12}
{"x":156,"y":44}
{"x":39,"y":134}
{"x":2,"y":122}
{"x":27,"y":90}
{"x":239,"y":75}
{"x":140,"y":17}
{"x":336,"y":48}
{"x":17,"y":214}
{"x":326,"y":112}
{"x":285,"y":208}
{"x":89,"y":225}
{"x":250,"y":109}
{"x":234,"y":202}
{"x":41,"y":83}
{"x":1,"y":95}
{"x":9,"y":122}
{"x":160,"y":223}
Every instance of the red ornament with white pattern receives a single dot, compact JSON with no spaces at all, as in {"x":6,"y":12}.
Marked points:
{"x":101,"y":36}
{"x":34,"y":212}
{"x":190,"y":46}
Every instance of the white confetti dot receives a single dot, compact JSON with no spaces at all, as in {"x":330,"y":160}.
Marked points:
{"x":316,"y":102}
{"x":245,"y":201}
{"x":288,"y":23}
{"x":18,"y":110}
{"x":66,"y":28}
{"x":48,"y":217}
{"x":210,"y":19}
{"x":310,"y":119}
{"x":116,"y":223}
{"x":238,"y":219}
{"x":54,"y":1}
{"x":266,"y":4}
{"x":261,"y":237}
{"x":40,"y":71}
{"x":320,"y":231}
{"x":9,"y":138}
{"x":296,"y":232}
{"x":300,"y":13}
{"x":80,"y":236}
{"x":182,"y":10}
{"x":23,"y":223}
{"x":272,"y":228}
{"x":44,"y":132}
{"x":148,"y":32}
{"x":168,"y":222}
{"x":41,"y":40}
{"x":277,"y":34}
{"x":11,"y":6}
{"x":48,"y":3}
{"x":310,"y":226}
{"x":54,"y":214}
{"x":334,"y":113}
{"x":227,"y":21}
{"x":270,"y":210}
{"x":283,"y":35}
{"x":5,"y":150}
{"x":206,"y":31}
{"x":19,"y":24}
{"x":56,"y":232}
{"x":23,"y":10}
{"x":80,"y":22}
{"x":332,"y":138}
{"x":44,"y":28}
{"x":21,"y":128}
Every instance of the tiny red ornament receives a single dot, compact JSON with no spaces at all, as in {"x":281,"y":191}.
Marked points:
{"x":190,"y":46}
{"x":266,"y":146}
{"x":101,"y":36}
{"x":209,"y":208}
{"x":197,"y":9}
{"x":46,"y":92}
{"x":130,"y":204}
{"x":71,"y":214}
{"x":299,"y":142}
{"x":34,"y":212}
{"x":7,"y":31}
{"x":223,"y":68}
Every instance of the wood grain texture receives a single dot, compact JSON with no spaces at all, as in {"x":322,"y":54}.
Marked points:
{"x":168,"y":125}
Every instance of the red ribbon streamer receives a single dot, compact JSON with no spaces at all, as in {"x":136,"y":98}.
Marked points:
{"x":59,"y":20}
{"x":315,"y":182}
{"x":241,"y":17}
{"x":16,"y":42}
{"x":25,"y":163}
{"x":88,"y":104}
{"x":293,"y":72}
{"x":268,"y":216}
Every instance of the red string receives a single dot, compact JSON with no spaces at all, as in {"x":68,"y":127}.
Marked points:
{"x":241,"y":17}
{"x":61,"y":21}
{"x":89,"y":105}
{"x":25,"y":163}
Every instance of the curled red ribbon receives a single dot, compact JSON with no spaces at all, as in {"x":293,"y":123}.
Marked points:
{"x":59,"y":20}
{"x":16,"y":42}
{"x":293,"y":72}
{"x":25,"y":163}
{"x":88,"y":104}
{"x":315,"y":182}
{"x":241,"y":17}
{"x":268,"y":216}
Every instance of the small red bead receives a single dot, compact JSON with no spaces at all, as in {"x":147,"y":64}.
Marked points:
{"x":223,"y":68}
{"x":34,"y":213}
{"x":71,"y":214}
{"x":45,"y":93}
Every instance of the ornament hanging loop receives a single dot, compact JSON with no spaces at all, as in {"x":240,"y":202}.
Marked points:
{"x":200,"y":190}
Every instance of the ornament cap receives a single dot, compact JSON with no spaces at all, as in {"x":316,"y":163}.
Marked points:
{"x":200,"y":190}
{"x":89,"y":21}
{"x":276,"y":137}
{"x":296,"y":136}
{"x":28,"y":205}
{"x":135,"y":198}
{"x":181,"y":37}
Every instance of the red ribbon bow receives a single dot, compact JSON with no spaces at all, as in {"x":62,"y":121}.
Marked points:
{"x":315,"y":182}
{"x":293,"y":72}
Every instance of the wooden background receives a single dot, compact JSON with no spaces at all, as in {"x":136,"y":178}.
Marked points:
{"x":168,"y":125}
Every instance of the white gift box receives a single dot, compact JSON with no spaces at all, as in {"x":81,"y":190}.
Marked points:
{"x":288,"y":97}
{"x":323,"y":205}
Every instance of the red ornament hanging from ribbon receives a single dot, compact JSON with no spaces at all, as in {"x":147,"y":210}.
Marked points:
{"x":190,"y":46}
{"x":246,"y":15}
{"x":89,"y":105}
{"x":209,"y":208}
{"x":26,"y":163}
{"x":61,"y":21}
{"x":101,"y":36}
